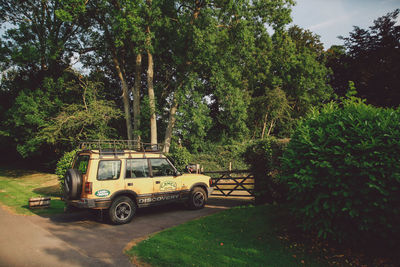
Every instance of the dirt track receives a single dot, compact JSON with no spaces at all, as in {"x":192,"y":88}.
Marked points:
{"x":82,"y":239}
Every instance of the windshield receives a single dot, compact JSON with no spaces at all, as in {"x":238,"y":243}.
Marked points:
{"x":81,"y":163}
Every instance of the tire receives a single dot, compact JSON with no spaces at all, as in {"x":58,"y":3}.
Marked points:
{"x":197,"y":198}
{"x":72,"y":184}
{"x":122,"y":210}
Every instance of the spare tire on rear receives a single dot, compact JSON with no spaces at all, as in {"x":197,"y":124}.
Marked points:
{"x":72,"y":184}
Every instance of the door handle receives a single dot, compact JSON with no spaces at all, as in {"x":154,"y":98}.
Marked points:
{"x":130,"y":184}
{"x":157,"y":182}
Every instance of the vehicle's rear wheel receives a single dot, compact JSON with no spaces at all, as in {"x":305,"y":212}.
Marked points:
{"x":122,"y":210}
{"x":72,"y":184}
{"x":197,"y":198}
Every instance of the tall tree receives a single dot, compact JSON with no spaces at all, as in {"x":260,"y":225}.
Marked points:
{"x":211,"y":55}
{"x":118,"y":34}
{"x":36,"y":50}
{"x":136,"y":98}
{"x":290,"y":77}
{"x":150,"y":72}
{"x":371,"y":61}
{"x":338,"y":61}
{"x":39,"y":42}
{"x":112,"y":38}
{"x":306,"y":77}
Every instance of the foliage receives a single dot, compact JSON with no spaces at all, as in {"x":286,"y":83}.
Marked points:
{"x":181,"y":157}
{"x":370,"y":60}
{"x":217,"y":157}
{"x":193,"y":121}
{"x":342,"y":169}
{"x":46,"y":117}
{"x":337,"y":61}
{"x":242,"y":236}
{"x":277,"y":111}
{"x":31,"y":111}
{"x":220,"y":76}
{"x":264,"y":159}
{"x":288,"y":77}
{"x":63,"y":164}
{"x":39,"y":44}
{"x":89,"y":120}
{"x":306,"y":40}
{"x":300,"y":72}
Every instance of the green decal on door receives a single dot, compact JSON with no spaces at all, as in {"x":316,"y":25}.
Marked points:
{"x":102,"y":193}
{"x":168,"y":186}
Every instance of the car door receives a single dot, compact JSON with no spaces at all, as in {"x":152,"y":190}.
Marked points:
{"x":166,"y":184}
{"x":137,"y":179}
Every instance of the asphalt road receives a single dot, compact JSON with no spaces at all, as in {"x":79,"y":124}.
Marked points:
{"x":83,"y":239}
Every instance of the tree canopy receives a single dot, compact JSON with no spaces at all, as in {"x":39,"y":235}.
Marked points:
{"x":370,"y":59}
{"x":176,"y":72}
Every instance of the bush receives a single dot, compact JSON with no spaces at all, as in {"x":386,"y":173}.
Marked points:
{"x":218,"y":157}
{"x":180,"y":156}
{"x":63,"y":164}
{"x":264,"y":158}
{"x":342,"y":168}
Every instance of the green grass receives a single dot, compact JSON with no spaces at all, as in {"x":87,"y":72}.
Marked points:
{"x":17,"y":186}
{"x":245,"y":236}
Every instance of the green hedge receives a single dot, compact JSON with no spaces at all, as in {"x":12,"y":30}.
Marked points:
{"x":264,"y":159}
{"x":63,"y":164}
{"x":342,"y":166}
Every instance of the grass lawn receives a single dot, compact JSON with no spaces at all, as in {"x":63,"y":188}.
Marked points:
{"x":17,"y":186}
{"x":244,"y":236}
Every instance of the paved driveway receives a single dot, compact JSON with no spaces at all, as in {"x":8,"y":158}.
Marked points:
{"x":82,"y":239}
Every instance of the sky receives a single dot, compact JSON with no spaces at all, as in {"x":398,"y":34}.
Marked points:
{"x":331,"y":18}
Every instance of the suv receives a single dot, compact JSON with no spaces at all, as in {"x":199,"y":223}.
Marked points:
{"x":121,"y":180}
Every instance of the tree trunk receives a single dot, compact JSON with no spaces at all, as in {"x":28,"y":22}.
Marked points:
{"x":136,"y":98}
{"x":170,"y":126}
{"x":125,"y":97}
{"x":270,"y":127}
{"x":175,"y":104}
{"x":152,"y":102}
{"x":264,"y":125}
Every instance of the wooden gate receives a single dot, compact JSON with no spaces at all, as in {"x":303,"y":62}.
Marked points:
{"x":232,"y":183}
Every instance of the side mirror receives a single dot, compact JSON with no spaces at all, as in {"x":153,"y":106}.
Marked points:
{"x":177,"y":173}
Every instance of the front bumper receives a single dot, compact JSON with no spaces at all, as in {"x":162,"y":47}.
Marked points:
{"x":88,"y":203}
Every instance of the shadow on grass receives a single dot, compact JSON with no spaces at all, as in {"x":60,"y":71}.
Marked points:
{"x":11,"y":173}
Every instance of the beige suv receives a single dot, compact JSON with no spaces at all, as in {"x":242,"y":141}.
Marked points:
{"x":121,"y":180}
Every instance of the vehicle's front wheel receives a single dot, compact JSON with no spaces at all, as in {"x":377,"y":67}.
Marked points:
{"x":122,"y":210}
{"x":198,"y":198}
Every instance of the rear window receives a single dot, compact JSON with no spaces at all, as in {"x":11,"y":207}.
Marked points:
{"x":109,"y":170}
{"x":81,"y":163}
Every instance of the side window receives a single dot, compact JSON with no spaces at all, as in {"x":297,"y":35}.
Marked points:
{"x":82,"y":163}
{"x":137,"y":168}
{"x":109,"y":170}
{"x":161,"y":167}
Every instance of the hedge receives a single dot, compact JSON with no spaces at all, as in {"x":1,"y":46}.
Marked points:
{"x":342,"y":167}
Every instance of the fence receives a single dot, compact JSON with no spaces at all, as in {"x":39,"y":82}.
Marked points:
{"x":237,"y":183}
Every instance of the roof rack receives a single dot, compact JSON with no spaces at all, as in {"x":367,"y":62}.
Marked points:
{"x":118,"y":146}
